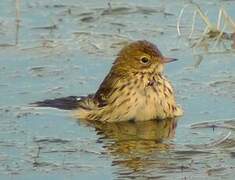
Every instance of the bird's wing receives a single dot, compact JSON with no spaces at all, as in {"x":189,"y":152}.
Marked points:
{"x":107,"y":88}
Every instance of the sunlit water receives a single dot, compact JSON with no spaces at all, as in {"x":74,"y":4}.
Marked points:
{"x":66,"y":48}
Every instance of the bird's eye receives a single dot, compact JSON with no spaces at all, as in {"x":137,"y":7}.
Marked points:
{"x":144,"y":60}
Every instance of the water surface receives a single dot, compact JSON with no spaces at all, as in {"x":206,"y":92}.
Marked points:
{"x":66,"y":48}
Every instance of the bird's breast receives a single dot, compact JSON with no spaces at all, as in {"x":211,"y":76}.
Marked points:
{"x":141,"y":97}
{"x":155,"y":98}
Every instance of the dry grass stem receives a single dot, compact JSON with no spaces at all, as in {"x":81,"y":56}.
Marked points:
{"x":222,"y":123}
{"x":212,"y":144}
{"x":17,"y":6}
{"x":211,"y":31}
{"x":193,"y":24}
{"x":179,"y":20}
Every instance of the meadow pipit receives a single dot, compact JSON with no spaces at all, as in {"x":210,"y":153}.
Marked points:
{"x":134,"y":89}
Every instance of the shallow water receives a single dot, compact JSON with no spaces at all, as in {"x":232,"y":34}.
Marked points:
{"x":66,"y":48}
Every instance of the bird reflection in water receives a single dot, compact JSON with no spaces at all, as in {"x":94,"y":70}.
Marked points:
{"x":132,"y":144}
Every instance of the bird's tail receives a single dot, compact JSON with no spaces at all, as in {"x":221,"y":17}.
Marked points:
{"x":65,"y":103}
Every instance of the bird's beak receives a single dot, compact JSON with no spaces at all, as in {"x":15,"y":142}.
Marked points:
{"x":167,"y":60}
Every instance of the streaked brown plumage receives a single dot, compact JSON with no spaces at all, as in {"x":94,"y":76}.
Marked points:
{"x":134,"y":89}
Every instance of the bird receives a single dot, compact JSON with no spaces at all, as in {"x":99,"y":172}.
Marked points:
{"x":135,"y":89}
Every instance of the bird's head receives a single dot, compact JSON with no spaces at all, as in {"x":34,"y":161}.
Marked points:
{"x":141,"y":56}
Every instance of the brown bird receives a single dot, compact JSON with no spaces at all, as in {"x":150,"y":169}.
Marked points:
{"x":134,"y":89}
